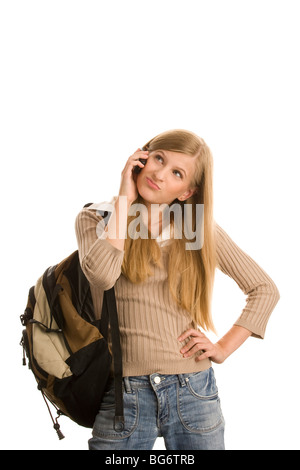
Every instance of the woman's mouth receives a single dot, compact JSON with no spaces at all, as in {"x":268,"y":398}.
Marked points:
{"x":152,"y":184}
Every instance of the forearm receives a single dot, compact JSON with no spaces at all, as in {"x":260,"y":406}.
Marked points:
{"x":235,"y":337}
{"x":116,"y":228}
{"x":100,"y":261}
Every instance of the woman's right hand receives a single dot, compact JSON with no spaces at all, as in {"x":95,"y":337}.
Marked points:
{"x":128,"y":186}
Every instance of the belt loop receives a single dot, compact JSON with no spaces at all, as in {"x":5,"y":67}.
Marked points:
{"x":127,"y":385}
{"x":182,"y":380}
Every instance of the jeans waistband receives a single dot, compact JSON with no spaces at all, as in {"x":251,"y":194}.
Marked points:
{"x":155,"y":380}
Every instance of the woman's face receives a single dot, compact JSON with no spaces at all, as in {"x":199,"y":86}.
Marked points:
{"x":166,"y":176}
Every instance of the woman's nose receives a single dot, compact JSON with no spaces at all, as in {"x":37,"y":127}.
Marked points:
{"x":160,"y":175}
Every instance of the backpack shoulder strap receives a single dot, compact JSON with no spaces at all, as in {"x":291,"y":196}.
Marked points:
{"x":110,"y":314}
{"x":110,"y":300}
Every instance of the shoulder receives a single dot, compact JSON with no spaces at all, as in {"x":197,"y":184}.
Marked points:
{"x":98,"y":208}
{"x":104,"y":206}
{"x":222,"y":238}
{"x":92,"y":214}
{"x":229,"y":254}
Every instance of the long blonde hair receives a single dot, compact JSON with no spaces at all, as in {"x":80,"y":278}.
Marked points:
{"x":190,"y":272}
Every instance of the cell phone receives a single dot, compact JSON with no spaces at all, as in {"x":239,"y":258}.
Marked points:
{"x":137,"y":169}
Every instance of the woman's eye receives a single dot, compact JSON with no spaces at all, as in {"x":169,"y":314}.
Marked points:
{"x":177,"y":173}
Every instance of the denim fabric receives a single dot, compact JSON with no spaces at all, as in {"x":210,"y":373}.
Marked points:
{"x":184,"y":409}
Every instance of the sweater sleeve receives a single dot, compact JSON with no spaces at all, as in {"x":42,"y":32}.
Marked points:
{"x":100,"y":261}
{"x":262,"y":293}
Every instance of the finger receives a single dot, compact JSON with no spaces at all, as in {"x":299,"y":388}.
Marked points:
{"x":200,"y":346}
{"x":190,"y":332}
{"x":195,"y":349}
{"x":203,"y":342}
{"x":135,"y":160}
{"x":137,"y":164}
{"x":132,"y":162}
{"x":139,"y":151}
{"x":204,"y":355}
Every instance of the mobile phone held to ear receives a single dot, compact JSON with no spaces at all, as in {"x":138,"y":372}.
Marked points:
{"x":137,"y":169}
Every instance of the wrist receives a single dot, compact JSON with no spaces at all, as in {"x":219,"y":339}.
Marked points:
{"x":124,"y":201}
{"x":233,"y":340}
{"x":223,"y":351}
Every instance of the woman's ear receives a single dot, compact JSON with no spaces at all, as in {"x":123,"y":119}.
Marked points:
{"x":187,"y":194}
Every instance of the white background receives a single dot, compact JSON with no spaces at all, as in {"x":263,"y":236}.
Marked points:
{"x":83,"y":85}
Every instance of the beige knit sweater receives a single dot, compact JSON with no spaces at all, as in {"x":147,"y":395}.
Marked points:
{"x":149,"y":318}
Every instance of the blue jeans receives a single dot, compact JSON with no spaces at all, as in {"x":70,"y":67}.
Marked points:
{"x":184,"y":409}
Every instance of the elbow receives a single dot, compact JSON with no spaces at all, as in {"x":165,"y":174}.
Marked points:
{"x":266,"y":291}
{"x":276,"y":293}
{"x":102,"y":284}
{"x":273,"y":292}
{"x":97,"y":277}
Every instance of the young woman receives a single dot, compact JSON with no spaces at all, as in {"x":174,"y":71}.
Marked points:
{"x":163,"y":284}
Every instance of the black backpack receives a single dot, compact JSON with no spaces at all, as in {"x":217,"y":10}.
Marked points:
{"x":67,"y":348}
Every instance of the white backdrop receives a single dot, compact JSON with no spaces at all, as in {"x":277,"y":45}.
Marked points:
{"x":83,"y":85}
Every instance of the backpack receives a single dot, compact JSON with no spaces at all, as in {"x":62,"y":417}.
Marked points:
{"x":67,"y":347}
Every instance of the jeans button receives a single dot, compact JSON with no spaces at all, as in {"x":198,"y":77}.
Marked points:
{"x":157,"y":380}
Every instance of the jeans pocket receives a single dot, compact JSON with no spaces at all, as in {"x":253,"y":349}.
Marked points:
{"x":198,"y":403}
{"x":104,"y":423}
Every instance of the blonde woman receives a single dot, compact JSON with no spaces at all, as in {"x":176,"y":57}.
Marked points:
{"x":160,"y":249}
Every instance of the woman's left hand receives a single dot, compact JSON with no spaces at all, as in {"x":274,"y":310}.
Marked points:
{"x":198,"y":341}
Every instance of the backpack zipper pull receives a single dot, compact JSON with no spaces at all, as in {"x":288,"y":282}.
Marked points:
{"x":24,"y":355}
{"x":57,"y":429}
{"x":55,"y":423}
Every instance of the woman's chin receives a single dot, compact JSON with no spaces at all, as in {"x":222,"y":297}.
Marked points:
{"x":145,"y":193}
